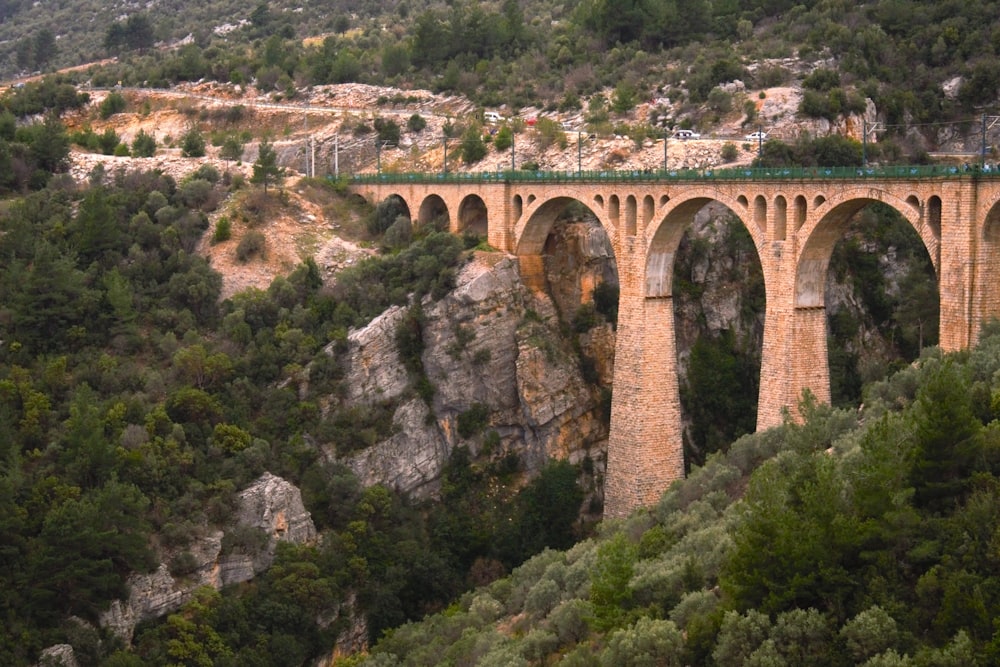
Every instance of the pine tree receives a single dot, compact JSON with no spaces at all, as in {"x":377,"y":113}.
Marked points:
{"x":266,"y":168}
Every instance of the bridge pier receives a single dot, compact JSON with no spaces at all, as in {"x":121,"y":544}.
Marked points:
{"x":645,"y":451}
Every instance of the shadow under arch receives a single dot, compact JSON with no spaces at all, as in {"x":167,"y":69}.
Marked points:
{"x":989,"y":265}
{"x":473,"y":216}
{"x":828,"y":228}
{"x":720,"y":390}
{"x":831,"y":335}
{"x":433,"y":208}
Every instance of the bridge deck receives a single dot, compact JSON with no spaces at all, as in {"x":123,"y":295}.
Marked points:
{"x":909,"y":172}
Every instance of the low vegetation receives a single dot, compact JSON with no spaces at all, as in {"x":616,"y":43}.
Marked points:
{"x":851,"y":538}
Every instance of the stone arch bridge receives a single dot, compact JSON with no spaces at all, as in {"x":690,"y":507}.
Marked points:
{"x":794,"y":216}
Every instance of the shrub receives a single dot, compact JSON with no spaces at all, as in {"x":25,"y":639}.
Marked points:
{"x":585,"y":318}
{"x":416,"y":123}
{"x":183,"y":564}
{"x":108,"y":140}
{"x":473,"y":420}
{"x":252,"y":244}
{"x":112,"y":104}
{"x":193,"y":144}
{"x":144,"y":145}
{"x":473,"y":147}
{"x":729,"y":151}
{"x":223,"y":230}
{"x":399,"y":234}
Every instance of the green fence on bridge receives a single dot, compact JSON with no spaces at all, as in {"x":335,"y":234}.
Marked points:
{"x":710,"y":174}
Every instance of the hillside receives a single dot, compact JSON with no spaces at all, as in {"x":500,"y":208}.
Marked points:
{"x":248,"y":426}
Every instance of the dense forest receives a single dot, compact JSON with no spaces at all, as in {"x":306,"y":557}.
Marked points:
{"x":555,"y":55}
{"x":135,"y":403}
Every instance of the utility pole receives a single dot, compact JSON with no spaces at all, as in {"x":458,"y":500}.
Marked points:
{"x":513,"y":163}
{"x":982,"y":153}
{"x":864,"y":142}
{"x":305,"y":130}
{"x":336,"y":155}
{"x":864,"y":139}
{"x":666,"y":136}
{"x":579,"y":153}
{"x":445,"y":135}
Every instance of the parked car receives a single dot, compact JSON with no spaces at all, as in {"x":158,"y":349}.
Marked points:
{"x":757,"y":136}
{"x":684,"y":135}
{"x":492,"y":117}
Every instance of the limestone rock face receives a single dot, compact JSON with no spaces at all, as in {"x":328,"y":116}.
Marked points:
{"x":270,"y":505}
{"x":490,"y":342}
{"x":59,"y":655}
{"x":274,"y":506}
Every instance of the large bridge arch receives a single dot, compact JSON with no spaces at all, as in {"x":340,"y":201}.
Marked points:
{"x":533,"y":229}
{"x":538,"y":214}
{"x":803,"y":347}
{"x":830,"y":219}
{"x":646,"y":450}
{"x":675,"y":217}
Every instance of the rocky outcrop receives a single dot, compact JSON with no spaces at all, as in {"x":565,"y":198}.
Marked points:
{"x":59,"y":655}
{"x":270,"y":510}
{"x":490,"y":342}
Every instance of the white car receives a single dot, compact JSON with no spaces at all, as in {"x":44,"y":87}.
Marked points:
{"x":684,"y":135}
{"x":757,"y":136}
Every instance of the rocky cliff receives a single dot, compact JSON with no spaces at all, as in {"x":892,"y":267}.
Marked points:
{"x":268,"y":511}
{"x":491,"y":343}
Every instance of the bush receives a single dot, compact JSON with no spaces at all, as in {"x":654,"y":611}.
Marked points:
{"x":252,"y":244}
{"x":473,"y":147}
{"x":108,"y":140}
{"x":400,"y":233}
{"x":473,"y":420}
{"x":416,"y":123}
{"x":112,"y":104}
{"x":223,"y":230}
{"x":729,"y":151}
{"x":183,"y":564}
{"x":193,"y":144}
{"x":144,"y":145}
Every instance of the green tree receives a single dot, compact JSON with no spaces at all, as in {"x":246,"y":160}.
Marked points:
{"x":112,"y":104}
{"x":193,"y":143}
{"x":947,"y":436}
{"x":473,"y":148}
{"x":610,"y":593}
{"x":144,"y":145}
{"x":265,"y":167}
{"x":232,"y":148}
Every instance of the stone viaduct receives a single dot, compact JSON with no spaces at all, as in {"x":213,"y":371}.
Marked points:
{"x":795,"y":218}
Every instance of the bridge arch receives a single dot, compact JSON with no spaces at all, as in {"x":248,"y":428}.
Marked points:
{"x":432,"y":208}
{"x":827,"y":227}
{"x":536,"y":218}
{"x":473,"y":215}
{"x":989,"y":262}
{"x":536,"y":223}
{"x":675,"y":217}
